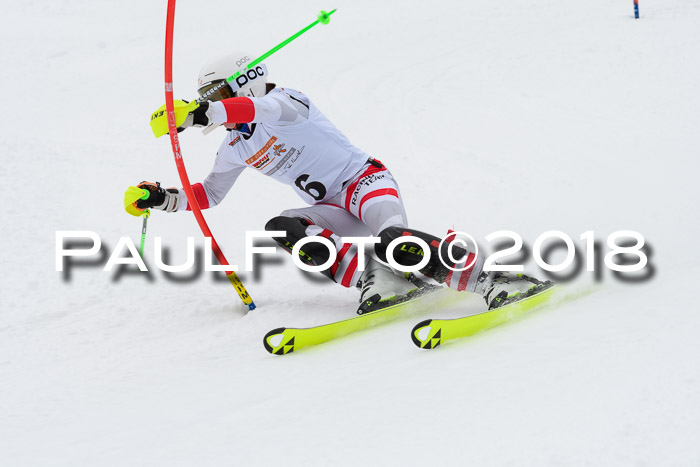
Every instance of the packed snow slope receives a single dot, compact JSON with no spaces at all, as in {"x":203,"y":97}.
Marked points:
{"x":528,"y":116}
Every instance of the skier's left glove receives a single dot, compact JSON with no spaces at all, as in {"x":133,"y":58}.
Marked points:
{"x":197,"y":118}
{"x":165,"y":199}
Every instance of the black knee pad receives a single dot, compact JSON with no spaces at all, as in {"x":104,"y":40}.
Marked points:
{"x":410,"y":253}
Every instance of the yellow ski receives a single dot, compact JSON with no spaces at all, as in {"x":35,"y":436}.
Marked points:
{"x":430,"y":333}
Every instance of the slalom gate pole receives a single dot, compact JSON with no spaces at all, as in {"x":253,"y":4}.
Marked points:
{"x":175,"y":142}
{"x":636,"y":9}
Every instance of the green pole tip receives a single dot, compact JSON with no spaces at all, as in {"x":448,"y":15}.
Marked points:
{"x":145,"y":194}
{"x":325,"y":17}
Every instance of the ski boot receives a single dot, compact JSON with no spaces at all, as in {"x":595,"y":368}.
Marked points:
{"x":380,"y":287}
{"x":501,"y":289}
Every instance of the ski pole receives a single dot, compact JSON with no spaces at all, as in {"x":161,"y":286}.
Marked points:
{"x":133,"y":194}
{"x":159,"y":124}
{"x":146,"y":214}
{"x":323,"y":18}
{"x":636,"y":9}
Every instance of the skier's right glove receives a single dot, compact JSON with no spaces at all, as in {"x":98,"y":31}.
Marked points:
{"x":198,"y":117}
{"x":159,"y":198}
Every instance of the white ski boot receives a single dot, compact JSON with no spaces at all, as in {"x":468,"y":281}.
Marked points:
{"x":502,"y":288}
{"x":381,"y":287}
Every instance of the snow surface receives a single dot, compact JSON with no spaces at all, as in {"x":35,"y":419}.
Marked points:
{"x":528,"y":116}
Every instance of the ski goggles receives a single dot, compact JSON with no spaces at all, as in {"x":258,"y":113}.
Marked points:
{"x":224,"y":92}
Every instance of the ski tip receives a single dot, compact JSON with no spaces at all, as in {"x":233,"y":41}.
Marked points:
{"x":277,"y":343}
{"x":424,"y":336}
{"x":251,"y":306}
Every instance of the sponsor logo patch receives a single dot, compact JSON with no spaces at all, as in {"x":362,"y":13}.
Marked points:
{"x":292,"y":160}
{"x":366,"y":181}
{"x":284,"y":160}
{"x":262,"y":151}
{"x":279,"y":149}
{"x":250,"y":75}
{"x":237,"y":139}
{"x":261,"y":163}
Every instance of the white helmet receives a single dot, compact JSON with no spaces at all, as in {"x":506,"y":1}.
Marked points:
{"x":252,"y":83}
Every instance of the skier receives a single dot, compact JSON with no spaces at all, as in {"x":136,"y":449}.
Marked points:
{"x":280,"y":133}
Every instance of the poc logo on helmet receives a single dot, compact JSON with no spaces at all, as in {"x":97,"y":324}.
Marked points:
{"x":249,"y":76}
{"x":242,"y":61}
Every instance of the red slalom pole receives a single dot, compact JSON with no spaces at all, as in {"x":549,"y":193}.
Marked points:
{"x":175,"y":142}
